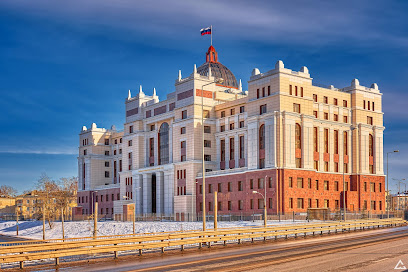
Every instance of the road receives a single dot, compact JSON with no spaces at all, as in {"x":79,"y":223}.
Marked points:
{"x":6,"y":238}
{"x":375,"y":250}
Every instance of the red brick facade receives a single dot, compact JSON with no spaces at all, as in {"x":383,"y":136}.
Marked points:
{"x":295,"y":196}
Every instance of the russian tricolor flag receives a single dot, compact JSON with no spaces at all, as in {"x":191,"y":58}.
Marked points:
{"x":205,"y":31}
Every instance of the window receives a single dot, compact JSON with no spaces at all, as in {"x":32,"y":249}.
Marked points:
{"x":151,"y":144}
{"x":345,"y":119}
{"x":296,"y":107}
{"x":183,"y":144}
{"x":368,"y":105}
{"x":309,"y":203}
{"x":242,"y":109}
{"x":300,"y":203}
{"x":300,"y":182}
{"x":336,"y":142}
{"x":269,"y":90}
{"x":298,"y":136}
{"x":290,"y":89}
{"x":240,"y":205}
{"x":326,"y":185}
{"x":262,"y":137}
{"x":346,"y":186}
{"x":326,"y":166}
{"x":326,"y":203}
{"x":335,"y":101}
{"x":222,"y":143}
{"x":344,"y":103}
{"x":116,"y":141}
{"x":370,"y":145}
{"x":152,"y":127}
{"x":206,"y":114}
{"x":262,"y":109}
{"x":291,"y":203}
{"x":290,"y":182}
{"x":369,"y":120}
{"x":106,"y":164}
{"x":219,"y":188}
{"x":298,"y":163}
{"x":314,"y":97}
{"x":301,"y":91}
{"x":260,"y":203}
{"x":231,"y":126}
{"x":326,"y":140}
{"x":106,"y":153}
{"x":270,"y":183}
{"x":114,"y":152}
{"x":232,"y":148}
{"x":263,"y":91}
{"x":120,"y":140}
{"x":207,"y":157}
{"x":201,"y":189}
{"x":210,"y":206}
{"x":345,"y":142}
{"x":309,"y":183}
{"x":379,"y":187}
{"x":317,"y":203}
{"x":296,"y":91}
{"x":106,"y":174}
{"x":207,"y":129}
{"x":130,"y":160}
{"x":85,"y":152}
{"x":232,"y":111}
{"x":373,"y":106}
{"x":336,"y":117}
{"x":130,"y":129}
{"x":251,"y":184}
{"x":164,"y":143}
{"x":207,"y":143}
{"x":316,"y":165}
{"x":365,"y":186}
{"x":372,"y":187}
{"x":222,"y":114}
{"x":251,"y":204}
{"x":183,"y":130}
{"x":241,"y":147}
{"x":364,"y":104}
{"x":106,"y":141}
{"x":241,"y":124}
{"x":210,"y":188}
{"x":315,"y":139}
{"x":257,"y":93}
{"x":120,"y":150}
{"x":261,"y":183}
{"x":325,"y":100}
{"x":130,"y":143}
{"x":222,"y":128}
{"x":336,"y":167}
{"x":315,"y":114}
{"x":230,"y":186}
{"x":326,"y":116}
{"x":240,"y":186}
{"x":184,"y":114}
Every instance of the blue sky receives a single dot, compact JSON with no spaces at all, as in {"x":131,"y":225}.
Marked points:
{"x":64,"y":65}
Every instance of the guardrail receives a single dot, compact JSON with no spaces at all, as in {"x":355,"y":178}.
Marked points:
{"x":55,"y":249}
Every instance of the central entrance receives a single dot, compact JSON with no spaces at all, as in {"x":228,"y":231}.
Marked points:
{"x":154,"y":193}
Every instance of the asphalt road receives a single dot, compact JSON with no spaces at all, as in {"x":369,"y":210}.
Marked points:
{"x":6,"y":238}
{"x":375,"y":250}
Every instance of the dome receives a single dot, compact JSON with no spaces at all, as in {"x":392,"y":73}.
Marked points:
{"x":217,"y":69}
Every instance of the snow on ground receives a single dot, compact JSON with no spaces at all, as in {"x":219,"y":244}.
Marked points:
{"x":33,"y":229}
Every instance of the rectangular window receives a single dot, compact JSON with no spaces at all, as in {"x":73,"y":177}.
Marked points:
{"x":260,"y":203}
{"x":369,"y":120}
{"x":290,"y":182}
{"x":183,"y":130}
{"x":183,"y":144}
{"x":326,"y":116}
{"x":207,"y":129}
{"x":296,"y":91}
{"x":372,"y":187}
{"x":315,"y":139}
{"x":269,"y":90}
{"x":336,"y":142}
{"x":300,"y":182}
{"x":262,"y":109}
{"x":106,"y":164}
{"x":291,"y":203}
{"x":207,"y":157}
{"x":240,"y":205}
{"x":263,"y":91}
{"x":130,"y":129}
{"x":232,"y":148}
{"x":230,"y":186}
{"x":207,"y":143}
{"x":336,"y":117}
{"x":368,"y":105}
{"x":241,"y":124}
{"x":222,"y":114}
{"x":336,"y":167}
{"x":326,"y":185}
{"x":316,"y":165}
{"x":251,"y":184}
{"x":232,"y":111}
{"x":326,"y":140}
{"x":210,"y":188}
{"x":242,"y":109}
{"x":222,"y":128}
{"x":365,"y":186}
{"x":373,"y":106}
{"x":151,"y":144}
{"x":152,"y":127}
{"x":251,"y":204}
{"x":379,"y":187}
{"x":296,"y":107}
{"x":364,"y":104}
{"x":222,"y":142}
{"x":335,"y":101}
{"x":130,"y":160}
{"x":309,"y":183}
{"x":130,"y":143}
{"x":106,"y":174}
{"x":184,"y":114}
{"x":315,"y":114}
{"x":317,"y":185}
{"x":240,"y":186}
{"x":290,"y":89}
{"x":206,"y":114}
{"x":229,"y":205}
{"x":219,"y":188}
{"x":314,"y":97}
{"x":345,"y":103}
{"x":257,"y":93}
{"x":309,"y":203}
{"x":301,"y":91}
{"x":106,"y":141}
{"x":106,"y":153}
{"x":326,"y":203}
{"x":325,"y":100}
{"x":210,"y":206}
{"x":326,"y":166}
{"x":300,"y":203}
{"x":261,"y":183}
{"x":231,"y":126}
{"x":241,"y":147}
{"x":345,"y":119}
{"x":317,"y":203}
{"x":298,"y":163}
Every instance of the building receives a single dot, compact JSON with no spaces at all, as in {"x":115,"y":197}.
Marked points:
{"x":27,"y":206}
{"x":7,"y":207}
{"x":399,"y":202}
{"x":284,"y":133}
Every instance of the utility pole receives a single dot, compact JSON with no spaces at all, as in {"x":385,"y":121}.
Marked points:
{"x":95,"y":219}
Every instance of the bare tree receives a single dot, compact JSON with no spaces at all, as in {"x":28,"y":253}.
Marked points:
{"x":6,"y":190}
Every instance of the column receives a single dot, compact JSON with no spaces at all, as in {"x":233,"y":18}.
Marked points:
{"x":236,"y":147}
{"x":156,"y":146}
{"x":171,"y":142}
{"x":307,"y":143}
{"x":321,"y":148}
{"x":378,"y":151}
{"x":364,"y":152}
{"x":138,"y":192}
{"x":218,"y":148}
{"x":168,"y":192}
{"x":331,"y":149}
{"x":147,"y":193}
{"x":227,"y":152}
{"x":270,"y":144}
{"x":253,"y":139}
{"x":159,"y":192}
{"x":289,"y":143}
{"x":341,"y":149}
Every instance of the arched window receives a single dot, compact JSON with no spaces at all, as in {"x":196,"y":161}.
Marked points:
{"x":370,"y":145}
{"x":262,"y":137}
{"x":298,"y":136}
{"x":164,"y":144}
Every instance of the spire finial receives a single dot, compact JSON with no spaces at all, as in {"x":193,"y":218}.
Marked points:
{"x":140,"y":89}
{"x":179,"y":75}
{"x":209,"y":71}
{"x":195,"y":69}
{"x":129,"y":95}
{"x":240,"y":85}
{"x":154,"y":91}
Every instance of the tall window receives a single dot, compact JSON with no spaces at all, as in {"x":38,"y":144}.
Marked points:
{"x":241,"y":147}
{"x":326,"y":140}
{"x":345,"y":142}
{"x":262,"y":109}
{"x":370,"y":145}
{"x":298,"y":136}
{"x":151,"y":144}
{"x":315,"y":139}
{"x":336,"y":142}
{"x":164,"y":144}
{"x":232,"y":148}
{"x":262,"y":137}
{"x":222,"y":150}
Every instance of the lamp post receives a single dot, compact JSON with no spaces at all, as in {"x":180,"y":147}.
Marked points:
{"x":388,"y":197}
{"x":399,"y":190}
{"x":264,"y":198}
{"x":219,"y":80}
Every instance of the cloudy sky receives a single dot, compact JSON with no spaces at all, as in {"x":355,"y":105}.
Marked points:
{"x":68,"y":64}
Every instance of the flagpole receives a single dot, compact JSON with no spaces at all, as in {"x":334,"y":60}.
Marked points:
{"x":211,"y":34}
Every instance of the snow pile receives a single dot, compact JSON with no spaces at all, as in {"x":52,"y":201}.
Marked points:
{"x":33,"y":229}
